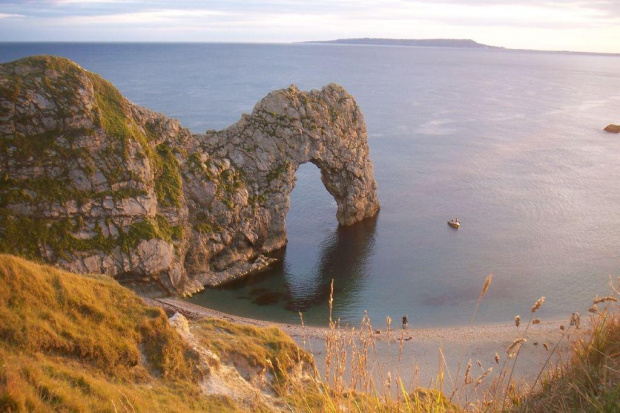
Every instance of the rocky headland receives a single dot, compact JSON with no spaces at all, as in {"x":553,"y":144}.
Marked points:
{"x":370,"y":41}
{"x":92,"y":183}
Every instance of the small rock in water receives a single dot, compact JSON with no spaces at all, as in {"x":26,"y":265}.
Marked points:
{"x":612,"y":128}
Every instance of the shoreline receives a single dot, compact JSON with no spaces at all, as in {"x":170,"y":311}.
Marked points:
{"x":195,"y":312}
{"x":417,"y":358}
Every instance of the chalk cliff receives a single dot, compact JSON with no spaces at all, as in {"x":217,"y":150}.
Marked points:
{"x":93,"y":183}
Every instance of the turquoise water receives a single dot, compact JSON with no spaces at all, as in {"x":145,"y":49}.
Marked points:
{"x":510,"y":142}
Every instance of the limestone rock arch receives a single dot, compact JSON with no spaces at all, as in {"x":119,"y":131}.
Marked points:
{"x":95,"y":184}
{"x":289,"y":128}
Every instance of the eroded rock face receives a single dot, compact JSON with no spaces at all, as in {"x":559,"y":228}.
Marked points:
{"x":285,"y":130}
{"x":93,"y":183}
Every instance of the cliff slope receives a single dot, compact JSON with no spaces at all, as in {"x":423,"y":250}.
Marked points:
{"x":95,"y":184}
{"x":84,"y":343}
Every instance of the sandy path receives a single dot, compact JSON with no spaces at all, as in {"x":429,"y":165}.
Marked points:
{"x":418,"y":362}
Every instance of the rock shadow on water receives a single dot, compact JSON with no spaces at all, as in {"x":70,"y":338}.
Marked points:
{"x":344,"y":259}
{"x":270,"y":298}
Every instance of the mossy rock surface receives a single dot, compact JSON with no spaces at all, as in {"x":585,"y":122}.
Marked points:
{"x":94,"y":183}
{"x":89,"y":174}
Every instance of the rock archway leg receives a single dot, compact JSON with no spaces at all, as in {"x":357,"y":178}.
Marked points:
{"x":351,"y":192}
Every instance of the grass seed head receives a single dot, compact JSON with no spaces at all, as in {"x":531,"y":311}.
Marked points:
{"x":496,"y":358}
{"x":486,"y":373}
{"x":536,"y":321}
{"x":605,"y":299}
{"x":538,"y":304}
{"x":515,"y":343}
{"x":468,"y":379}
{"x":487,"y":284}
{"x":517,"y":320}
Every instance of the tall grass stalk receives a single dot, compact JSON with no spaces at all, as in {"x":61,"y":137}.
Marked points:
{"x":354,"y":379}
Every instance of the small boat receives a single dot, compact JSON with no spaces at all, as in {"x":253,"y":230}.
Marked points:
{"x":454,"y":223}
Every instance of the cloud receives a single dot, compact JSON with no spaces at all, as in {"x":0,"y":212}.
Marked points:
{"x":150,"y":17}
{"x":527,"y":13}
{"x":11,"y":16}
{"x":477,"y":11}
{"x":83,"y":2}
{"x":503,"y":22}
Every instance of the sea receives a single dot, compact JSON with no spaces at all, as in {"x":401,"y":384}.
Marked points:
{"x":510,"y":142}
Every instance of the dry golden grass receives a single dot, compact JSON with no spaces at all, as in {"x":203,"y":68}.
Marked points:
{"x":590,"y":379}
{"x":256,"y":351}
{"x":84,"y":343}
{"x":348,"y":383}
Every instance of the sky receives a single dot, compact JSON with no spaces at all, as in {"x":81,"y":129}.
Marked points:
{"x":574,"y":25}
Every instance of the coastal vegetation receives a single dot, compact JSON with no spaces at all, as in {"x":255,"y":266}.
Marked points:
{"x":84,"y":343}
{"x":61,"y":150}
{"x":99,"y":176}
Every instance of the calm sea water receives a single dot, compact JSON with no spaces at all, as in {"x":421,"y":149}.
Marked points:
{"x":510,"y":142}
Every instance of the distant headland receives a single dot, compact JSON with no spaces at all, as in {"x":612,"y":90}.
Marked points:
{"x":449,"y":43}
{"x":461,"y":43}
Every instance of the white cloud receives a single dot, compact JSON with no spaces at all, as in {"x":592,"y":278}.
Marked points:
{"x":150,"y":17}
{"x":551,"y":24}
{"x":11,"y":16}
{"x":85,"y":2}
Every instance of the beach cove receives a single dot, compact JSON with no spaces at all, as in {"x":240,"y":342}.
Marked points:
{"x":511,"y":142}
{"x":416,"y":354}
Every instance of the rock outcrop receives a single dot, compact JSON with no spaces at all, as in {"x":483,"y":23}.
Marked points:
{"x":612,"y":128}
{"x":93,"y":183}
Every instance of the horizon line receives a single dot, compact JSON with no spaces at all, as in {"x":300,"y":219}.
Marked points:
{"x":312,"y":42}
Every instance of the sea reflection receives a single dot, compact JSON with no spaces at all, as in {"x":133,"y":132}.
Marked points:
{"x":344,"y":258}
{"x":300,"y":281}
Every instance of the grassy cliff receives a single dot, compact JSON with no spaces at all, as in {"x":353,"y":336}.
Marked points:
{"x":84,"y":343}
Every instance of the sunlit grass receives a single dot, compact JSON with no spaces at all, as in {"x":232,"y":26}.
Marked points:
{"x":84,"y":343}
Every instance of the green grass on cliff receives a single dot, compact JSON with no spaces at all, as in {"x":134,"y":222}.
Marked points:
{"x":39,"y":238}
{"x":115,"y":119}
{"x":84,"y":343}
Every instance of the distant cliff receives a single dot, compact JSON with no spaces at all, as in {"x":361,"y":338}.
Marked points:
{"x":95,"y":184}
{"x":462,"y":43}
